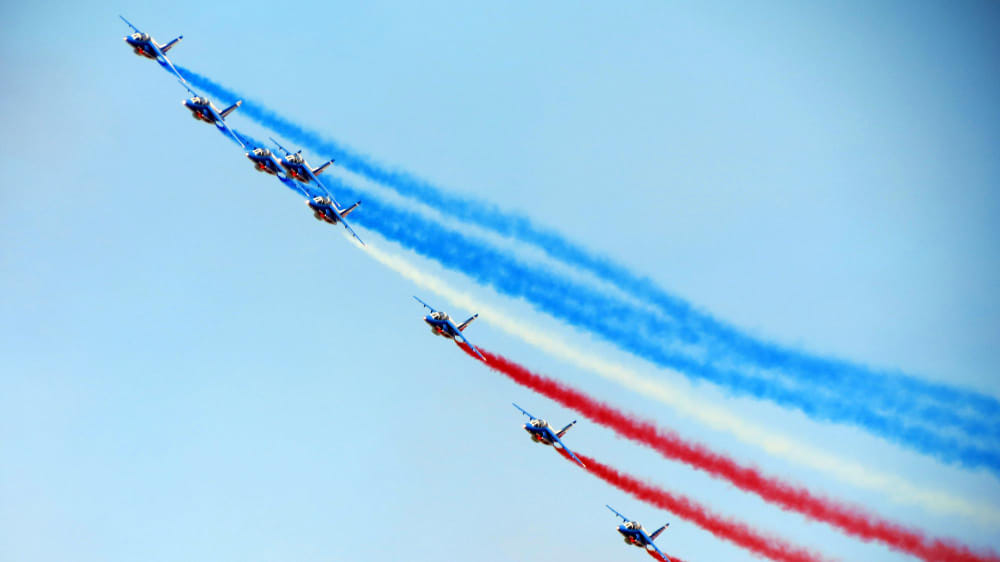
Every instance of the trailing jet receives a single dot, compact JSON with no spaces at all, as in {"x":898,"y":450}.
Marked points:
{"x":203,"y":109}
{"x":325,"y":208}
{"x":441,"y":325}
{"x":635,"y":535}
{"x":144,"y":46}
{"x":541,"y":433}
{"x":297,"y":167}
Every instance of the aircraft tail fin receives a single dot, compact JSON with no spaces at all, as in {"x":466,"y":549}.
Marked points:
{"x":170,"y":45}
{"x":465,"y":324}
{"x":657,"y":532}
{"x":230,"y":109}
{"x":565,"y":429}
{"x":349,"y":210}
{"x":320,"y":169}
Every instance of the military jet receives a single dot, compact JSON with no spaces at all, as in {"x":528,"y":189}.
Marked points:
{"x":635,"y":535}
{"x":541,"y":433}
{"x":441,"y":325}
{"x":145,"y":46}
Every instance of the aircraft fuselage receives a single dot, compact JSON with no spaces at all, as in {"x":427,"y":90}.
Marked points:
{"x":296,"y":172}
{"x":632,"y":537}
{"x":200,"y":111}
{"x":264,"y":163}
{"x":142,"y":46}
{"x":439,"y":328}
{"x":537,"y":435}
{"x":325,"y":213}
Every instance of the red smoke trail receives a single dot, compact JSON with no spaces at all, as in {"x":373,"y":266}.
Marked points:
{"x":850,"y":519}
{"x":727,"y":529}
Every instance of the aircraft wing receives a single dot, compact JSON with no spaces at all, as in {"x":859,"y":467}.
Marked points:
{"x":429,"y":307}
{"x":523,"y":411}
{"x":227,"y":129}
{"x":565,"y":448}
{"x":134,"y":28}
{"x":625,"y":519}
{"x":459,"y":334}
{"x":343,"y":221}
{"x":188,"y":88}
{"x":165,"y":63}
{"x":663,"y":557}
{"x":281,"y":148}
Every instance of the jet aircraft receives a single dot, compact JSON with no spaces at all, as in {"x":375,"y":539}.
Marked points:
{"x":297,"y":167}
{"x":635,"y":535}
{"x":541,"y":433}
{"x":203,"y":109}
{"x":325,"y":208}
{"x":441,"y":325}
{"x":264,"y":161}
{"x":144,"y":46}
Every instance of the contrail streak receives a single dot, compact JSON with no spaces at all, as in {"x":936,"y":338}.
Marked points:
{"x":942,"y":405}
{"x":575,"y":304}
{"x":891,"y":486}
{"x":852,"y":520}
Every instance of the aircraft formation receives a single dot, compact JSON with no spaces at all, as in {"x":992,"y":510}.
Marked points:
{"x":294,"y":172}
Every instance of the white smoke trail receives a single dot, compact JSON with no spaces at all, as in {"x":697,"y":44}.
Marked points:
{"x":892,"y":486}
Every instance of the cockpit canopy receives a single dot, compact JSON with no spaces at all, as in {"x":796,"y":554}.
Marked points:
{"x":633,"y":525}
{"x":320,"y":200}
{"x":199,"y":100}
{"x":538,"y":422}
{"x":261,"y":152}
{"x":439,"y":315}
{"x":294,"y":158}
{"x":140,"y":36}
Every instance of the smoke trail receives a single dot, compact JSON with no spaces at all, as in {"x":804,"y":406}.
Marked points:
{"x":849,"y":519}
{"x":578,"y":306}
{"x":724,"y":528}
{"x":941,"y":404}
{"x":864,"y":477}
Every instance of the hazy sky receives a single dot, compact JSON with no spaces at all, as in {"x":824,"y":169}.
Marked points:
{"x":193,"y":368}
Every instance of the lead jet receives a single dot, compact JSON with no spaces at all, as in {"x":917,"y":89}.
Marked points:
{"x":297,"y":167}
{"x":441,"y":325}
{"x":541,"y":433}
{"x":144,"y":46}
{"x":203,"y":109}
{"x":635,"y":535}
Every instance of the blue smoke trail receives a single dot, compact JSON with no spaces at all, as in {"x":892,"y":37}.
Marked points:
{"x":598,"y":314}
{"x":686,"y":324}
{"x":898,"y":392}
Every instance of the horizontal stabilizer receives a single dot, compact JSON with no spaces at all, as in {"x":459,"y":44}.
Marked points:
{"x":565,"y":429}
{"x":230,"y":109}
{"x":465,"y":324}
{"x":657,"y":532}
{"x":170,"y":45}
{"x":320,"y":169}
{"x":349,"y":210}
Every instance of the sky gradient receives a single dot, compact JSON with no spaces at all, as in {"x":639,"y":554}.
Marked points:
{"x":194,"y":368}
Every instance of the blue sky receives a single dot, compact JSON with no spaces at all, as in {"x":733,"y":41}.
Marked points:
{"x":194,"y":368}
